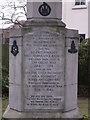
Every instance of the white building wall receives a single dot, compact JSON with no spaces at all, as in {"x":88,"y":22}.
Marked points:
{"x":75,"y":17}
{"x":89,"y":19}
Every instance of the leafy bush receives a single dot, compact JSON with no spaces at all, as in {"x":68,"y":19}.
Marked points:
{"x":5,"y":69}
{"x":84,"y":59}
{"x":5,"y":81}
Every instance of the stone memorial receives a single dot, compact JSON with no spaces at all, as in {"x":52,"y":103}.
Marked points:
{"x":43,"y":66}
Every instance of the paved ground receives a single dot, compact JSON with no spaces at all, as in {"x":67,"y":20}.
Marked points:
{"x":82,"y":103}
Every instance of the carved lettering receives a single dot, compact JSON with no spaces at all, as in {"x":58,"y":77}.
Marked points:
{"x":44,"y":71}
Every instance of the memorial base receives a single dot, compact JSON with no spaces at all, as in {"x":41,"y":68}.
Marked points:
{"x":11,"y":114}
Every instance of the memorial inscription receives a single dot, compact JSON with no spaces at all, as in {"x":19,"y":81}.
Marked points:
{"x":43,"y":71}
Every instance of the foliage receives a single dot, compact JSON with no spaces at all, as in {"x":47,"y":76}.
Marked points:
{"x":84,"y":53}
{"x":5,"y":81}
{"x":5,"y":69}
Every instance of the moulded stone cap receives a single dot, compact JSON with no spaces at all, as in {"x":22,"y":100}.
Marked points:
{"x":72,"y":33}
{"x":44,"y":22}
{"x":33,"y":10}
{"x":14,"y":32}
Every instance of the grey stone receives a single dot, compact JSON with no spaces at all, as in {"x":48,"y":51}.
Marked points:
{"x":43,"y":64}
{"x":16,"y":97}
{"x":10,"y":113}
{"x":32,"y":10}
{"x":71,"y":35}
{"x":15,"y":32}
{"x":73,"y":114}
{"x":71,"y":68}
{"x":15,"y":66}
{"x":70,"y":97}
{"x":43,"y":75}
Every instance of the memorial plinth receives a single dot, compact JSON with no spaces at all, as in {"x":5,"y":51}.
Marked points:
{"x":43,"y":63}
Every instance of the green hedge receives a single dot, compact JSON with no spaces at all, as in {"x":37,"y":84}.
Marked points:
{"x":5,"y":69}
{"x":84,"y":53}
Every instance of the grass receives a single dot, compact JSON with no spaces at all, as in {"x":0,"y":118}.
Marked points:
{"x":0,"y":108}
{"x":4,"y":103}
{"x":3,"y":106}
{"x":83,"y":106}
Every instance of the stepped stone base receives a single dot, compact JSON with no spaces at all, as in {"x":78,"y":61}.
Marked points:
{"x":11,"y":114}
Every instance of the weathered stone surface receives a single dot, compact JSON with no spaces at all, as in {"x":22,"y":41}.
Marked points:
{"x":43,"y":70}
{"x":43,"y":75}
{"x":70,"y":97}
{"x":15,"y":97}
{"x":15,"y":67}
{"x":72,"y":35}
{"x":15,"y":62}
{"x":71,"y":67}
{"x":15,"y":33}
{"x":10,"y":113}
{"x":33,"y":12}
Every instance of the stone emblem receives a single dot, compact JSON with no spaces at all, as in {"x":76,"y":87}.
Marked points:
{"x":44,"y":9}
{"x":14,"y":48}
{"x":73,"y":48}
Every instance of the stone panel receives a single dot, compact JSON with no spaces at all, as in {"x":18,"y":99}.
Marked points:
{"x":44,"y":70}
{"x":56,"y":10}
{"x":70,"y":97}
{"x":15,"y":62}
{"x":15,"y":97}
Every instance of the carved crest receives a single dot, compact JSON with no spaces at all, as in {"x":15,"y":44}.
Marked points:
{"x":73,"y":48}
{"x":44,"y":9}
{"x":14,"y":48}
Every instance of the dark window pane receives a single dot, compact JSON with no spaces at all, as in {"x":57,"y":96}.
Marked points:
{"x":77,"y":3}
{"x":81,"y":37}
{"x":83,"y":2}
{"x":80,"y":2}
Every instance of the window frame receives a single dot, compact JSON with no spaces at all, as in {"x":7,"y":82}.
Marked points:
{"x":75,"y":7}
{"x":80,"y":2}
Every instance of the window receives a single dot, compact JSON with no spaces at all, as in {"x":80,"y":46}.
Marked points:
{"x":80,"y":2}
{"x":81,"y":37}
